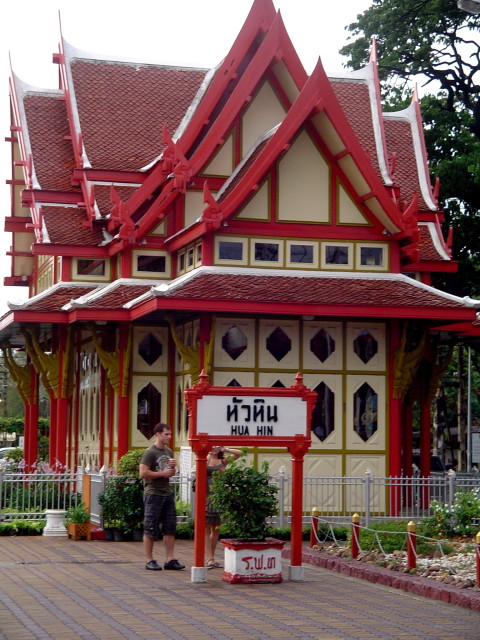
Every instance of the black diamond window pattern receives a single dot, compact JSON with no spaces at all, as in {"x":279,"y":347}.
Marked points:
{"x":234,"y":342}
{"x":365,"y":403}
{"x":278,"y":385}
{"x":322,"y":345}
{"x":149,"y":406}
{"x":150,"y":349}
{"x":323,"y":417}
{"x":365,"y":346}
{"x":278,"y":344}
{"x":234,"y":383}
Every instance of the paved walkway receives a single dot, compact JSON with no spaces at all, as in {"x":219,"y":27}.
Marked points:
{"x":58,"y":589}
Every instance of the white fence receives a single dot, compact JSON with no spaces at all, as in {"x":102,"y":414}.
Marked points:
{"x":27,"y":495}
{"x":337,"y":498}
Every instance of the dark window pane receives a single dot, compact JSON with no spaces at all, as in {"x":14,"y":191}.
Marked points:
{"x":336,"y":255}
{"x":323,"y":417}
{"x":365,"y":346}
{"x":278,"y":344}
{"x":266,"y":251}
{"x":91,"y":267}
{"x":151,"y":263}
{"x":322,"y":345}
{"x":371,"y":256}
{"x":149,"y":405}
{"x":365,"y":403}
{"x":230,"y":250}
{"x":301,"y":253}
{"x":150,"y":349}
{"x":234,"y":342}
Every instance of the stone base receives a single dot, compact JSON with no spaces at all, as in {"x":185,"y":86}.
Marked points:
{"x":296,"y":574}
{"x":55,"y":526}
{"x":253,"y":561}
{"x":199,"y":574}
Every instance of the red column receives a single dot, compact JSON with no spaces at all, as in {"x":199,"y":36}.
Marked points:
{"x":52,"y":451}
{"x":30,"y":452}
{"x":200,"y":505}
{"x":395,"y":409}
{"x":61,"y":436}
{"x":123,"y":402}
{"x":297,"y":451}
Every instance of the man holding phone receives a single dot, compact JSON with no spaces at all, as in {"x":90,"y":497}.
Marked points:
{"x":157,"y":466}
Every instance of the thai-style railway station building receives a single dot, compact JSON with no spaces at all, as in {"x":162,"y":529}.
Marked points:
{"x":250,"y":220}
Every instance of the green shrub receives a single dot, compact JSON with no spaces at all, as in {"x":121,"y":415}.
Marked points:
{"x":22,"y":528}
{"x":128,"y":465}
{"x":184,"y":531}
{"x":245,"y":498}
{"x":448,"y":521}
{"x":390,"y":536}
{"x":122,"y":503}
{"x":77,"y":514}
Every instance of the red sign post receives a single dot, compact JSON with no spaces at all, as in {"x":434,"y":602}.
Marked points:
{"x":252,"y":417}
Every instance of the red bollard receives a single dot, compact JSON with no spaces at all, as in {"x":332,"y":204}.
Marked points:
{"x":477,"y":554}
{"x":355,"y":535}
{"x":314,"y":526}
{"x":411,"y":545}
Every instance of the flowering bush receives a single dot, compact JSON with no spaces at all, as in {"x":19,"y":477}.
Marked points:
{"x":455,"y":520}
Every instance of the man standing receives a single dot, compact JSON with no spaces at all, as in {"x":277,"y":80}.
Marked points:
{"x":156,"y":468}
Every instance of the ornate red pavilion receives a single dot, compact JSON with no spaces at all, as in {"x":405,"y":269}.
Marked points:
{"x":249,"y":220}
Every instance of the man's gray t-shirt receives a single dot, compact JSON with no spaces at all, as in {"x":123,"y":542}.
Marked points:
{"x":157,"y":460}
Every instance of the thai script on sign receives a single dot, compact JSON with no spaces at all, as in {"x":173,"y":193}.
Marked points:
{"x":241,"y":411}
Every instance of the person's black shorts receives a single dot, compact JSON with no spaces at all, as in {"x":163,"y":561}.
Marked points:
{"x":159,"y":510}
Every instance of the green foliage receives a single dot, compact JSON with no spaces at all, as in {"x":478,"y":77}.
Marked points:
{"x":122,"y":503}
{"x":77,"y":514}
{"x":326,"y":533}
{"x":394,"y":539}
{"x":14,"y":456}
{"x":455,"y":520}
{"x":285,"y":533}
{"x":22,"y":528}
{"x":185,"y":531}
{"x":128,"y":465}
{"x":245,"y":498}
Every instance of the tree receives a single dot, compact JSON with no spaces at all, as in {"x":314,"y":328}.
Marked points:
{"x":437,"y":45}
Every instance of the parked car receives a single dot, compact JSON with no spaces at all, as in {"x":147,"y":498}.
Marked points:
{"x":3,"y":455}
{"x":436,"y":463}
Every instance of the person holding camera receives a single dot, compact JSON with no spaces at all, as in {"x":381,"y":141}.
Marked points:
{"x":217,"y":460}
{"x":157,"y":466}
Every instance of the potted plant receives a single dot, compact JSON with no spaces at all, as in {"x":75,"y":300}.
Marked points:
{"x":246,"y":499}
{"x":122,"y":500}
{"x":77,"y":519}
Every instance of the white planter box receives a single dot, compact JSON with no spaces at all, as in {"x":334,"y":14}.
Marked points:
{"x":252,"y":561}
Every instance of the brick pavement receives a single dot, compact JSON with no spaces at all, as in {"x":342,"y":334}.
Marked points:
{"x":59,"y":589}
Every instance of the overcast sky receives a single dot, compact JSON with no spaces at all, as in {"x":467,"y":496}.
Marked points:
{"x":189,"y":32}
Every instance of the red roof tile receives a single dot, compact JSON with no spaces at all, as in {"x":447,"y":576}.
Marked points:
{"x":47,"y":127}
{"x":57,"y":297}
{"x":122,"y":108}
{"x":398,"y":134}
{"x":116,"y":297}
{"x":102,"y":196}
{"x":65,"y":226}
{"x":355,"y":102}
{"x":428,"y":251}
{"x":329,"y":291}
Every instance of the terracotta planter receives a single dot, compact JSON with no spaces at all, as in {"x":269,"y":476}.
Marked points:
{"x":79,"y":530}
{"x":253,"y":561}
